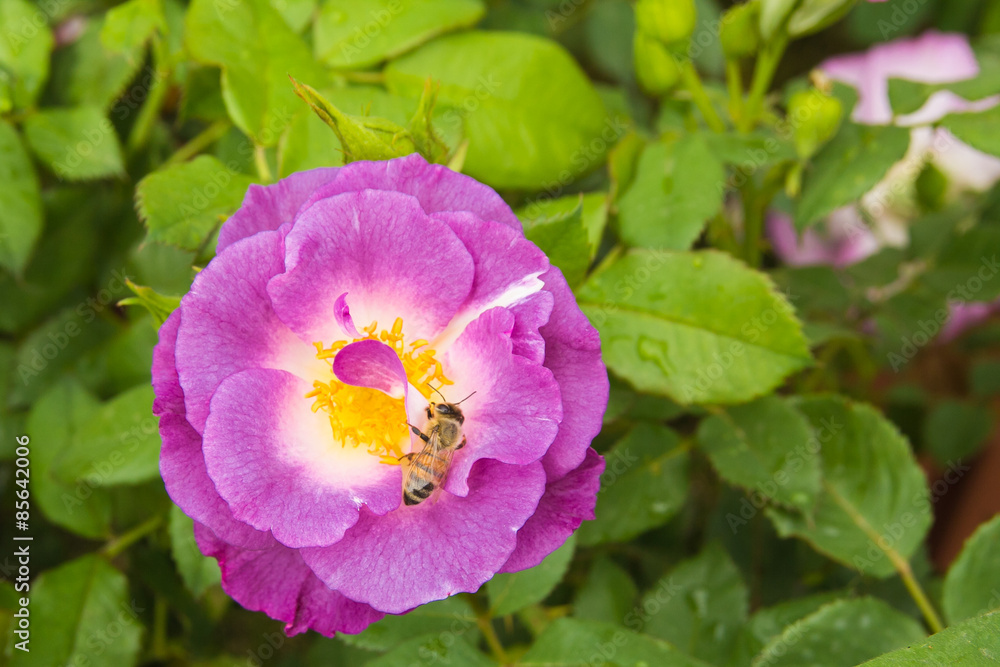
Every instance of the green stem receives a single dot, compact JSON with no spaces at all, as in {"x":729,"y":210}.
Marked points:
{"x":720,"y":233}
{"x":157,"y":93}
{"x":364,"y":77}
{"x":159,"y":643}
{"x":763,"y":74}
{"x":260,"y":159}
{"x":120,"y":544}
{"x":486,"y":627}
{"x":734,"y":83}
{"x":899,"y":563}
{"x":200,"y":142}
{"x":753,"y":224}
{"x":700,"y":98}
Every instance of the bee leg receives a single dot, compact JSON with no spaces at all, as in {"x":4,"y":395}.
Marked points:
{"x":461,"y":444}
{"x":418,"y":432}
{"x":394,"y":461}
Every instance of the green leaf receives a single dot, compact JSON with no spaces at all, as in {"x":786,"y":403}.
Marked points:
{"x":421,"y":127}
{"x":120,"y":363}
{"x":570,"y":641}
{"x":563,"y":238}
{"x":678,"y":185}
{"x":972,"y":586}
{"x":976,"y":129}
{"x":158,"y":305}
{"x":726,"y":337}
{"x":769,"y":622}
{"x":53,"y":423}
{"x":985,"y":378}
{"x":198,"y":572}
{"x":128,"y":26}
{"x":361,"y":137}
{"x":961,"y":258}
{"x":25,"y":44}
{"x":512,"y":591}
{"x":20,"y":201}
{"x":184,"y":204}
{"x":451,"y":616}
{"x":607,"y":595}
{"x":955,"y":430}
{"x":848,"y":166}
{"x":700,"y":606}
{"x":594,"y":214}
{"x":77,"y":144}
{"x":773,"y":14}
{"x":257,"y":52}
{"x":81,"y":615}
{"x":366,"y":32}
{"x":644,"y":483}
{"x":814,"y":15}
{"x":905,"y":97}
{"x":760,"y":446}
{"x":841,"y":634}
{"x":432,"y":649}
{"x":118,"y":444}
{"x":45,"y":354}
{"x":875,"y":507}
{"x":531,"y":116}
{"x":86,"y":74}
{"x":974,"y":642}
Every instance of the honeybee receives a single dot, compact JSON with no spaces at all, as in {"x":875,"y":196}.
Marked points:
{"x":426,"y":471}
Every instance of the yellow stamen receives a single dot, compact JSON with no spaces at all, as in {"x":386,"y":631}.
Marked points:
{"x":364,"y":416}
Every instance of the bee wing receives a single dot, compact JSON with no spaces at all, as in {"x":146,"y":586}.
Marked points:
{"x":424,"y":459}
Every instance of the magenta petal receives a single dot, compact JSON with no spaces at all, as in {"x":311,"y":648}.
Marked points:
{"x":182,"y":466}
{"x":380,"y":248}
{"x":166,"y":385}
{"x":265,"y":208}
{"x":277,"y":582}
{"x":343,"y":315}
{"x":508,"y":270}
{"x":371,"y":363}
{"x":182,"y":463}
{"x":446,"y":545}
{"x":276,"y":464}
{"x":435,"y":186}
{"x":228,"y":324}
{"x":567,"y":502}
{"x":573,"y":354}
{"x":515,"y":412}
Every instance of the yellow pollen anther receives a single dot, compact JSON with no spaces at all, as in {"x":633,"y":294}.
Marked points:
{"x":364,"y":416}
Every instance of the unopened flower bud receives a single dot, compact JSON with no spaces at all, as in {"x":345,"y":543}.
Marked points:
{"x":815,"y":118}
{"x":667,"y":20}
{"x":740,"y":35}
{"x":656,"y":68}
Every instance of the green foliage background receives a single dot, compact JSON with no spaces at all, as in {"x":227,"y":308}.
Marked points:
{"x":763,"y":502}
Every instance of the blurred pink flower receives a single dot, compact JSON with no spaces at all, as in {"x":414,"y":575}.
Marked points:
{"x":844,"y":238}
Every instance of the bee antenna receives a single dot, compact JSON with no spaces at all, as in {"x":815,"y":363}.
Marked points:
{"x":438,"y":393}
{"x":466,"y":398}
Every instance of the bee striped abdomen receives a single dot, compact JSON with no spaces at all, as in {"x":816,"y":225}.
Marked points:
{"x":425,"y":473}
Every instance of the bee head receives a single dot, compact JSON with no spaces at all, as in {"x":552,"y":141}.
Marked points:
{"x":446,"y":410}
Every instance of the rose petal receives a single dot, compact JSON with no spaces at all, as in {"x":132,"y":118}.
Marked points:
{"x":276,"y":464}
{"x":435,"y":186}
{"x":443,"y":546}
{"x":568,"y":501}
{"x":277,"y":582}
{"x":371,"y":363}
{"x":267,"y":207}
{"x":508,"y":270}
{"x":343,"y":315}
{"x":573,"y":354}
{"x":381,"y":249}
{"x":228,"y":324}
{"x":514,"y":414}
